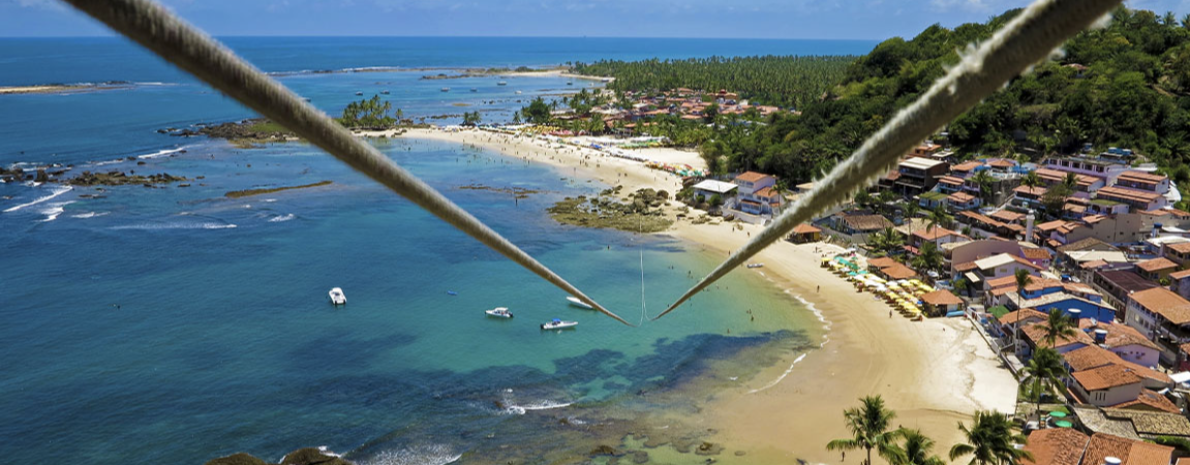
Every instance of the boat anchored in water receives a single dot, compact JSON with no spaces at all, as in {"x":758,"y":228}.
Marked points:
{"x":559,"y":324}
{"x":474,"y":89}
{"x":499,"y":312}
{"x":578,"y":303}
{"x":446,"y":89}
{"x":502,"y":83}
{"x":359,"y":93}
{"x":337,"y":297}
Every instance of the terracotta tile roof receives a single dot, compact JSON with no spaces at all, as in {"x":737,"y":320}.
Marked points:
{"x":752,"y":176}
{"x":1151,"y":401}
{"x":805,"y":229}
{"x":941,"y":297}
{"x":1105,"y":377}
{"x":1003,"y":281}
{"x":1021,"y":315}
{"x":1038,"y":284}
{"x":1181,"y":247}
{"x":1178,"y":275}
{"x":951,"y":180}
{"x":1130,"y":452}
{"x":1068,"y":228}
{"x":767,"y":192}
{"x":1156,"y":264}
{"x":1034,"y":191}
{"x":1025,"y":262}
{"x":1119,"y":335}
{"x":1164,"y":302}
{"x":881,"y":262}
{"x":1119,"y":193}
{"x":1089,"y":243}
{"x":1009,"y":216}
{"x":1036,"y":333}
{"x":934,"y":233}
{"x":1152,"y":423}
{"x":965,"y":167}
{"x":1089,"y":358}
{"x":1050,"y":226}
{"x":1002,"y":163}
{"x":1093,"y":264}
{"x":1052,"y":176}
{"x":1056,"y":446}
{"x":898,"y":271}
{"x":1142,"y":177}
{"x":1185,"y":348}
{"x":965,"y":266}
{"x":961,"y":197}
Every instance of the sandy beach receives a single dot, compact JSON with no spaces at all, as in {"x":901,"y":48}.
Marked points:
{"x":934,"y":373}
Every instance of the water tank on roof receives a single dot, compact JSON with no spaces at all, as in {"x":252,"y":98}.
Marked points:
{"x":1111,"y":461}
{"x":1075,"y":313}
{"x":1100,"y":336}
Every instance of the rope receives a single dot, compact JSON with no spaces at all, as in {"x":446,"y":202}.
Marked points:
{"x":1026,"y":40}
{"x":171,"y":38}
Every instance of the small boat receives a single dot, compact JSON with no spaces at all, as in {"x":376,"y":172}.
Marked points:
{"x":756,"y":265}
{"x":578,"y":303}
{"x":451,"y":293}
{"x":359,"y":93}
{"x":474,"y":89}
{"x":446,"y":89}
{"x":518,"y":92}
{"x":502,"y":83}
{"x":384,"y":92}
{"x":337,"y":297}
{"x":559,"y":324}
{"x":571,"y":83}
{"x":499,"y":312}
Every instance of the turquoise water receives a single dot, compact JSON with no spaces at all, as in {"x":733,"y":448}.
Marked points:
{"x":176,"y":325}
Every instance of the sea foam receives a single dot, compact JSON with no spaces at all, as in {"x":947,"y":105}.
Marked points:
{"x":433,"y":454}
{"x":56,"y":192}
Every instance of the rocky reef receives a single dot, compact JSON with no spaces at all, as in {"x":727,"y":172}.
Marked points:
{"x":120,"y":178}
{"x":251,"y":192}
{"x":641,"y":211}
{"x":307,"y":456}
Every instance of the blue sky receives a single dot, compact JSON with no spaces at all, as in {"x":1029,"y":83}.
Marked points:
{"x":803,"y":19}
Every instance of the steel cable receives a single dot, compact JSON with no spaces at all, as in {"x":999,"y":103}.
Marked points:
{"x":1026,"y":40}
{"x":157,"y":29}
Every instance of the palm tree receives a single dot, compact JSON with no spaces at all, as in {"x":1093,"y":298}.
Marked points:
{"x":1058,"y":325}
{"x":990,"y":440}
{"x":928,"y":258}
{"x":1043,"y":373}
{"x":984,"y":180}
{"x":916,"y":450}
{"x":963,"y":285}
{"x":938,"y":217}
{"x":887,"y":241}
{"x":869,"y":425}
{"x":1022,"y":280}
{"x":1071,"y":182}
{"x":911,"y":209}
{"x":1031,"y":180}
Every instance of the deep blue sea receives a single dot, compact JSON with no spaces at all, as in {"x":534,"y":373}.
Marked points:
{"x":175,"y":325}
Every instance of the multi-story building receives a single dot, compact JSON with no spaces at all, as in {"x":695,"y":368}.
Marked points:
{"x":756,"y":194}
{"x":917,"y":175}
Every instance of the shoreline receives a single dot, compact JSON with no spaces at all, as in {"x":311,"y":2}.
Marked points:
{"x":781,"y":414}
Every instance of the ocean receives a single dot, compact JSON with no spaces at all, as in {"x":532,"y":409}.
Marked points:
{"x":176,"y":325}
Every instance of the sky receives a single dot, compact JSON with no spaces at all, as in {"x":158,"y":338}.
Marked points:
{"x":772,"y":19}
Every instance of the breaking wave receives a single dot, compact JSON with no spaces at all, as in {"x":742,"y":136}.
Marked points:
{"x":282,"y":218}
{"x":161,"y":153}
{"x":56,"y":192}
{"x":433,"y":454}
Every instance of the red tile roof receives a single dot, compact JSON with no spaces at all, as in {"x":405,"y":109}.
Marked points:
{"x":1119,"y":193}
{"x":1129,"y":451}
{"x":1150,"y":401}
{"x":934,"y":233}
{"x":968,"y":166}
{"x":1164,"y":302}
{"x":1105,"y":377}
{"x":941,"y":297}
{"x":1056,"y":446}
{"x":1156,"y":264}
{"x":961,"y":197}
{"x":806,"y":229}
{"x":1020,"y":316}
{"x":1036,"y":254}
{"x":1178,"y":275}
{"x":1142,"y":177}
{"x":752,"y":176}
{"x":898,"y":271}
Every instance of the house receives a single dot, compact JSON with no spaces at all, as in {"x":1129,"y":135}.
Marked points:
{"x":1075,"y":254}
{"x":962,"y":201}
{"x":1132,"y":424}
{"x":932,"y":200}
{"x":896,"y":271}
{"x":1156,"y":269}
{"x":1098,"y":168}
{"x":1161,"y":316}
{"x":805,"y":233}
{"x":1056,"y":446}
{"x":1037,"y":256}
{"x":1178,"y":253}
{"x":1028,"y":197}
{"x":950,"y":184}
{"x":1085,"y":184}
{"x":1140,"y":180}
{"x":1136,"y":200}
{"x":918,"y":175}
{"x":1020,"y":319}
{"x":1128,"y":451}
{"x":756,"y":194}
{"x":861,"y":224}
{"x":1071,"y":305}
{"x":710,"y":188}
{"x":1117,"y":285}
{"x":942,"y":301}
{"x":1034,"y":335}
{"x":1180,"y":282}
{"x":1092,"y":357}
{"x":1124,"y":341}
{"x":1106,"y":386}
{"x":998,"y":266}
{"x":935,"y":234}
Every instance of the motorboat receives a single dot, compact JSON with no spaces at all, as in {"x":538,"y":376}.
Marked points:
{"x":502,"y":83}
{"x":559,"y":324}
{"x":474,"y":89}
{"x":518,"y":92}
{"x":359,"y":93}
{"x":337,"y":297}
{"x":446,"y":89}
{"x":499,"y":312}
{"x":578,"y":303}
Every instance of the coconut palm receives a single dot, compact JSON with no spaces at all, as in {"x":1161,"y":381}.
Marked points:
{"x":869,"y":425}
{"x":1023,"y":279}
{"x":911,"y":209}
{"x":938,"y":217}
{"x":1043,"y":374}
{"x":915,"y":450}
{"x":984,"y":180}
{"x":928,"y":257}
{"x":1031,"y":180}
{"x":990,"y":440}
{"x":1058,"y":325}
{"x":886,"y":241}
{"x":962,"y":285}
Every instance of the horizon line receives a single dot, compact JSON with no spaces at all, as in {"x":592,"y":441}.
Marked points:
{"x":330,"y":36}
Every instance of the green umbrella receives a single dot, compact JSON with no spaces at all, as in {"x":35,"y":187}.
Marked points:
{"x":1058,"y":414}
{"x":1063,"y":424}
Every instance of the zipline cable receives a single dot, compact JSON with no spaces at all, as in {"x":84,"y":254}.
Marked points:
{"x":157,"y":29}
{"x":1026,"y":40}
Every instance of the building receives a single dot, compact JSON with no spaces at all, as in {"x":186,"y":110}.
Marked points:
{"x":962,"y":201}
{"x":1136,"y":200}
{"x":1056,"y":446}
{"x":1117,"y":285}
{"x":999,"y":266}
{"x":1180,"y":282}
{"x":942,"y":301}
{"x":1178,"y":253}
{"x":1161,"y":316}
{"x":1124,"y":341}
{"x":1106,"y":386}
{"x":861,"y":224}
{"x":1099,"y":168}
{"x":935,"y":234}
{"x":1132,"y":424}
{"x":710,"y":188}
{"x":918,"y":175}
{"x":756,"y":194}
{"x":1128,"y":451}
{"x":805,"y":233}
{"x":1140,"y":180}
{"x":1156,"y":269}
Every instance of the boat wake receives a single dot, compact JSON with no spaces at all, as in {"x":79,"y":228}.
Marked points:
{"x":514,"y":409}
{"x":433,"y":454}
{"x":53,"y":210}
{"x":161,"y":153}
{"x":56,"y":192}
{"x":83,"y":216}
{"x":282,"y":218}
{"x":165,"y":226}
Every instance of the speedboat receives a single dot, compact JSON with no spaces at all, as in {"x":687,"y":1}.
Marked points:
{"x":559,"y":324}
{"x":578,"y":303}
{"x":337,"y":297}
{"x":499,"y":312}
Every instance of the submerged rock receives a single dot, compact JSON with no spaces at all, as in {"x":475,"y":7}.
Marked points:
{"x":307,"y":456}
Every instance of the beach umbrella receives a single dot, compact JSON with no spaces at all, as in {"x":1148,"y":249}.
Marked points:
{"x":1058,"y":414}
{"x":1063,"y":424}
{"x":851,"y":273}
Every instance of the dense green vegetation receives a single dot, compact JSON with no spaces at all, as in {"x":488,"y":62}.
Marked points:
{"x":772,"y":80}
{"x":1127,"y":85}
{"x":370,"y":113}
